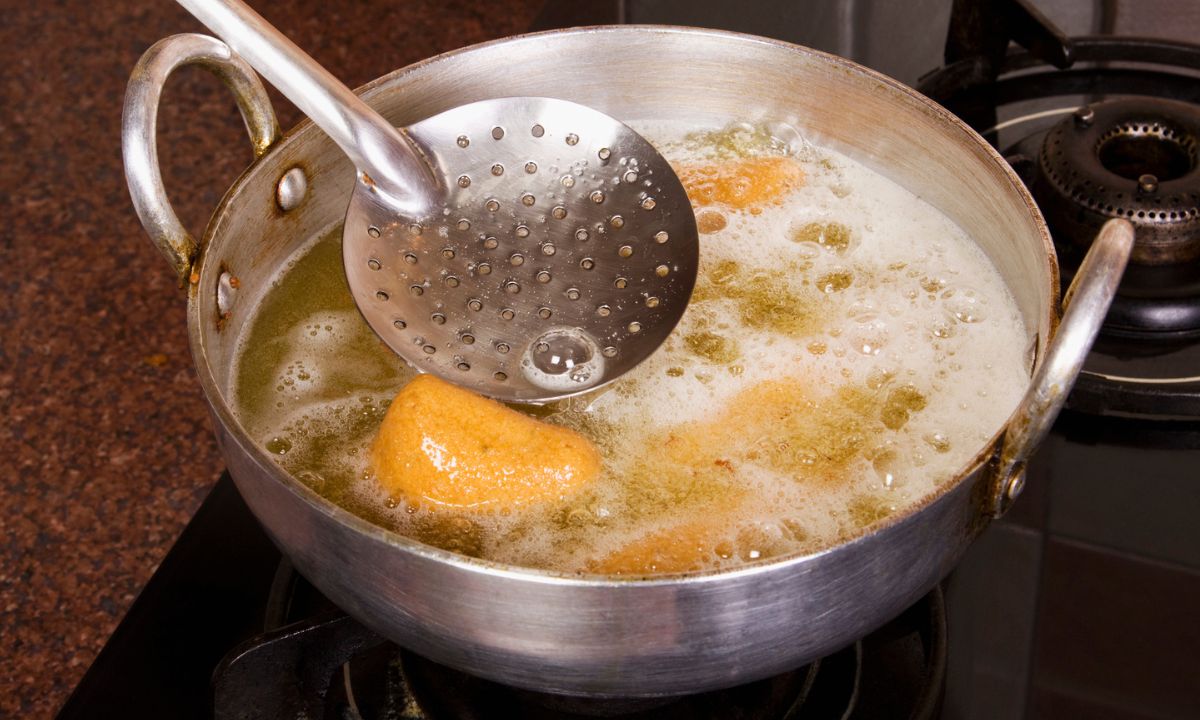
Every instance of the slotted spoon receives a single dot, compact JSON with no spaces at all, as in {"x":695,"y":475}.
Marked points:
{"x":527,"y":248}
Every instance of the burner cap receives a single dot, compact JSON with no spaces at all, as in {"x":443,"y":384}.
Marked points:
{"x":1133,"y":159}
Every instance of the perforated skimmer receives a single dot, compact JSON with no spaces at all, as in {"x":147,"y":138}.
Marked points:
{"x":527,"y":248}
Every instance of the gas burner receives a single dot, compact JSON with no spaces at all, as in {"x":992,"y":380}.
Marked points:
{"x":1134,"y":159}
{"x":1106,"y":137}
{"x":1099,"y":127}
{"x":1097,"y":162}
{"x":1137,"y":159}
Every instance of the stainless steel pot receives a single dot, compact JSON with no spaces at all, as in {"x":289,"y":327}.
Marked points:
{"x":598,"y":636}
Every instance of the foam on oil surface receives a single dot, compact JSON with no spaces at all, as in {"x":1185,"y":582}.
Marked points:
{"x":847,"y":350}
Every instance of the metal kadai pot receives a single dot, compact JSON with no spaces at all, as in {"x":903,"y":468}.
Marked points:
{"x":593,"y":635}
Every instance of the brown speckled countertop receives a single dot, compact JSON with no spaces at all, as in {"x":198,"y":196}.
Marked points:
{"x":105,"y":444}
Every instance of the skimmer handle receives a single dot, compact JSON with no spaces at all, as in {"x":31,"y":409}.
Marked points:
{"x":372,"y":143}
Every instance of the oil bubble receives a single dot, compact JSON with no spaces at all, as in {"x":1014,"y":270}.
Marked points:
{"x":938,"y":441}
{"x":869,"y":340}
{"x":966,"y":308}
{"x":563,"y":359}
{"x":885,"y":460}
{"x":941,"y":329}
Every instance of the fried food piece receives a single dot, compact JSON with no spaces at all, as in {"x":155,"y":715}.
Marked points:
{"x":689,"y":546}
{"x":449,"y":446}
{"x":694,"y":467}
{"x":746,"y":184}
{"x":810,"y":437}
{"x":684,"y":548}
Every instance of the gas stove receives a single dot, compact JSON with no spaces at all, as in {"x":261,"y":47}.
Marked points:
{"x":1080,"y":603}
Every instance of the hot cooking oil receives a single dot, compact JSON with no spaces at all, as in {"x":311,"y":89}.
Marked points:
{"x":846,"y":350}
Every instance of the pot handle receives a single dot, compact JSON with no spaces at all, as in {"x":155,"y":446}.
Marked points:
{"x":139,"y":123}
{"x":1084,"y":307}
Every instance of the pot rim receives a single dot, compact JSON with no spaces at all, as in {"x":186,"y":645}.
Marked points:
{"x":223,"y":412}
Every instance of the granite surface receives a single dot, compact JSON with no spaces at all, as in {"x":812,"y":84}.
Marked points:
{"x":105,"y":443}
